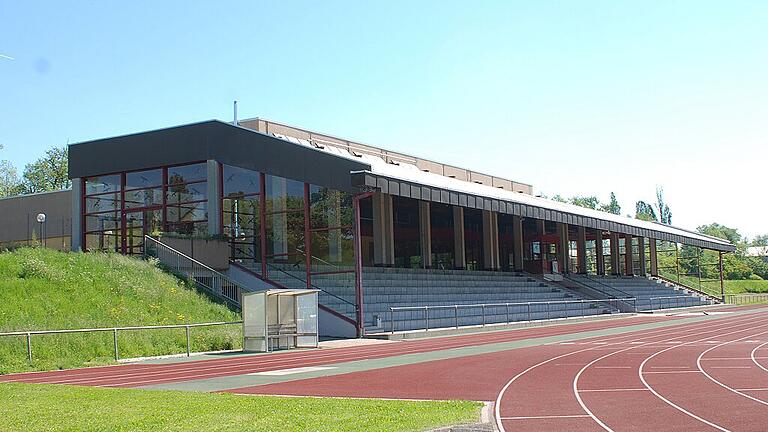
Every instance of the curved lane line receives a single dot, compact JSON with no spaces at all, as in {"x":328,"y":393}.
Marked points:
{"x":669,"y":402}
{"x":648,"y":334}
{"x":720,"y":383}
{"x":754,"y":359}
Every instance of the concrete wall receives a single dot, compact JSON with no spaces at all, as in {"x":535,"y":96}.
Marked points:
{"x":18,"y":219}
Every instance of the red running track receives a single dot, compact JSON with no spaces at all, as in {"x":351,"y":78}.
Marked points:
{"x":710,"y":375}
{"x":137,"y":375}
{"x":587,"y":386}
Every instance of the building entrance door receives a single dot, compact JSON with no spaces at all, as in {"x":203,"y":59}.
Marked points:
{"x":136,"y":225}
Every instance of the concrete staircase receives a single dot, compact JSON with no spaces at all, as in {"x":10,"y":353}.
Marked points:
{"x":650,"y":294}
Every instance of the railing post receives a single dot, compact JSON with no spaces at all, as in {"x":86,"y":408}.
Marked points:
{"x":483,"y":309}
{"x":548,"y":313}
{"x":426,"y":317}
{"x":392,"y":319}
{"x":186,"y":329}
{"x":507,"y":313}
{"x":29,"y":347}
{"x":114,"y":339}
{"x":529,"y":311}
{"x":456,"y":315}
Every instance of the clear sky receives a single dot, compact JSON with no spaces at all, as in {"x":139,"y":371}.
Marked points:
{"x":575,"y":97}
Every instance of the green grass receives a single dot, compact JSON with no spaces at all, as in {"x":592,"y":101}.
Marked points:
{"x":43,"y":289}
{"x":42,"y":407}
{"x":746,"y":286}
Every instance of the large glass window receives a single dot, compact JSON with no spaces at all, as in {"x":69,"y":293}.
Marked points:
{"x":473,"y":238}
{"x":405,"y":213}
{"x":119,"y":209}
{"x":241,"y":214}
{"x":285,"y":224}
{"x":331,"y":220}
{"x":506,"y":242}
{"x":443,"y":243}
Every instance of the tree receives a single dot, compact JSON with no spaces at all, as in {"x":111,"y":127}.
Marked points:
{"x":761,"y":240}
{"x":665,"y":215}
{"x":47,"y":173}
{"x":721,"y":231}
{"x":586,"y":201}
{"x":612,"y":207}
{"x":9,"y":179}
{"x":644,"y":211}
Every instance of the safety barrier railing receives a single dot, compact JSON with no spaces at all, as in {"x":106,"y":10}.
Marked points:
{"x":669,"y":302}
{"x":187,"y":328}
{"x":606,"y":290}
{"x":217,"y":283}
{"x":746,"y":298}
{"x":509,"y":310}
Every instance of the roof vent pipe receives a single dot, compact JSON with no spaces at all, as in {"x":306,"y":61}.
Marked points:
{"x":234,"y":121}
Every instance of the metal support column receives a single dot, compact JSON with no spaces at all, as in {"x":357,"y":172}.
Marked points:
{"x":722,"y":283}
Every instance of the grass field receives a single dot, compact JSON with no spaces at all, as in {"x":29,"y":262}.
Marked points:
{"x":43,"y":407}
{"x":43,"y":289}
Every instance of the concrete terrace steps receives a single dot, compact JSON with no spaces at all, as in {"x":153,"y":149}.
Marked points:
{"x":645,"y":290}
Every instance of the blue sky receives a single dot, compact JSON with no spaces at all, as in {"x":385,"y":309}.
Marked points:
{"x":576,"y":97}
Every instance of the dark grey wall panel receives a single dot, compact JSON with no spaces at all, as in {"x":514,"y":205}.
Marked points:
{"x":215,"y":140}
{"x":18,"y":215}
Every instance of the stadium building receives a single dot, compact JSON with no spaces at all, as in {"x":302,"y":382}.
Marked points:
{"x":392,"y":241}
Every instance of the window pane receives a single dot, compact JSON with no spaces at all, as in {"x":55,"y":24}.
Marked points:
{"x":240,"y":181}
{"x":285,"y":236}
{"x":187,"y":173}
{"x":102,"y":203}
{"x":329,"y":207}
{"x":144,"y":179}
{"x":103,"y":222}
{"x":188,"y":228}
{"x":187,"y":212}
{"x":102,"y":184}
{"x":102,"y":242}
{"x":187,"y":192}
{"x":332,"y":250}
{"x":284,"y":194}
{"x":143,"y":198}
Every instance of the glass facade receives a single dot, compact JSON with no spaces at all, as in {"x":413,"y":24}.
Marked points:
{"x":120,"y":209}
{"x":473,"y":239}
{"x":407,"y":238}
{"x":443,"y":243}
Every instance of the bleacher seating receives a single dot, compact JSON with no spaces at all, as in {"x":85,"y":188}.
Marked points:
{"x":650,"y":294}
{"x":385,"y":288}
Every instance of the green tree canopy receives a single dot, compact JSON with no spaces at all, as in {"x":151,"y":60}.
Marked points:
{"x":644,"y":211}
{"x":47,"y":173}
{"x":665,"y":214}
{"x":612,"y":206}
{"x":721,"y":231}
{"x":9,"y":179}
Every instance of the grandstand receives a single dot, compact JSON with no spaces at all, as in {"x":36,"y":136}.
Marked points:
{"x":393,"y":242}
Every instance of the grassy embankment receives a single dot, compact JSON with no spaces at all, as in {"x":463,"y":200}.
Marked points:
{"x":43,"y":289}
{"x":64,"y":408}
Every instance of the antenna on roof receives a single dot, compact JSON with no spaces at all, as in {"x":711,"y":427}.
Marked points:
{"x":234,"y":122}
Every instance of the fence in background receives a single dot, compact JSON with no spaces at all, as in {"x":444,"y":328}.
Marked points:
{"x":187,"y":328}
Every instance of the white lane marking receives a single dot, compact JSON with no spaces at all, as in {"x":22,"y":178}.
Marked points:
{"x":545,"y":417}
{"x":669,"y":402}
{"x":613,"y":367}
{"x":578,"y":375}
{"x":611,"y":390}
{"x":647,"y":335}
{"x":291,"y":371}
{"x":754,"y":359}
{"x":754,"y":389}
{"x":721,"y":384}
{"x":672,"y":372}
{"x":670,"y":367}
{"x":730,"y":367}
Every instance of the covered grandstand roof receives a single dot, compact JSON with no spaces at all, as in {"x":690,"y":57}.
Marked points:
{"x":407,"y":180}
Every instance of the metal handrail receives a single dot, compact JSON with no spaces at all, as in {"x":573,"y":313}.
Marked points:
{"x":225,"y":283}
{"x":311,"y":285}
{"x":624,"y":293}
{"x":689,"y":288}
{"x":483,"y":306}
{"x":746,"y":298}
{"x":685,"y":299}
{"x":115,"y":330}
{"x":609,"y":295}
